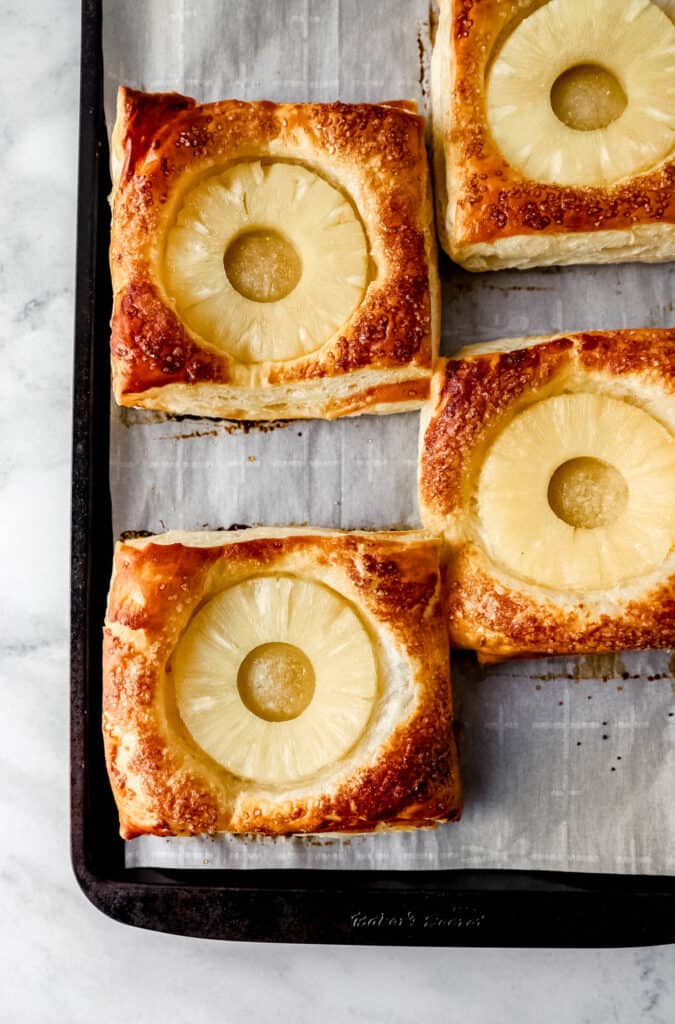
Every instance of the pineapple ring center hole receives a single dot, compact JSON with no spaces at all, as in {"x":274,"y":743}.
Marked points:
{"x":262,"y":265}
{"x":276,"y":682}
{"x":587,"y":493}
{"x":587,"y":97}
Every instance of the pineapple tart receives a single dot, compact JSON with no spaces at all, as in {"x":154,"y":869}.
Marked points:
{"x":271,"y":261}
{"x":548,"y":464}
{"x":554,"y":131}
{"x":278,"y":681}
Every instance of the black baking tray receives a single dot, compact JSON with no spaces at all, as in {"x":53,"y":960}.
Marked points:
{"x":425,"y":908}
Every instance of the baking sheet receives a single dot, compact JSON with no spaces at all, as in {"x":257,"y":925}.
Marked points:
{"x":568,"y":764}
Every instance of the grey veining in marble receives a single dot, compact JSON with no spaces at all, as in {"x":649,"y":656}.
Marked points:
{"x":60,"y":960}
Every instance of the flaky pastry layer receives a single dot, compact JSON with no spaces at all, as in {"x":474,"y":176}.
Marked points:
{"x":401,"y":773}
{"x":489,"y":215}
{"x":379,"y":361}
{"x":474,"y":396}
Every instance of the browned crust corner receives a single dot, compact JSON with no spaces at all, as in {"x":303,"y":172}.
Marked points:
{"x":150,"y":346}
{"x":503,"y":622}
{"x":470,"y":395}
{"x":141,"y":117}
{"x":495,"y":201}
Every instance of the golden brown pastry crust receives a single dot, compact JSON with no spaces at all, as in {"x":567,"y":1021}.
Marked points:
{"x":164,"y":784}
{"x":473,"y":396}
{"x":489,"y":215}
{"x":379,"y":361}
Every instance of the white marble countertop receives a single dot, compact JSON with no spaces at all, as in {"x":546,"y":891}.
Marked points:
{"x":61,"y":960}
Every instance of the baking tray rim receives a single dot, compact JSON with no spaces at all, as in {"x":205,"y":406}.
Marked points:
{"x":429,"y":908}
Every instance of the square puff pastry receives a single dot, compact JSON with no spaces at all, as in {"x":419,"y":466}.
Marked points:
{"x":377,"y":359}
{"x":524,"y":577}
{"x":493,"y":215}
{"x":374,"y":746}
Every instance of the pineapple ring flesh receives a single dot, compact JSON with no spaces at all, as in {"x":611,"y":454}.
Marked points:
{"x":266,"y":261}
{"x":592,"y":41}
{"x":523,"y":532}
{"x":209,"y":671}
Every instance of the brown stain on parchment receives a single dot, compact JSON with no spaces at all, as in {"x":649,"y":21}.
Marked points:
{"x":187,"y":437}
{"x":599,"y":666}
{"x":461,"y":286}
{"x":604,"y":667}
{"x":589,"y":666}
{"x":253,"y":426}
{"x":422,"y":61}
{"x":204,"y":426}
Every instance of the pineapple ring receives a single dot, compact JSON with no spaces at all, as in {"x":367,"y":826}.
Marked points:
{"x":266,"y":610}
{"x":309,"y":289}
{"x":637,"y":47}
{"x":523,"y":532}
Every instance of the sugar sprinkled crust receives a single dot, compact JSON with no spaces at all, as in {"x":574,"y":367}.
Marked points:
{"x":473,"y":397}
{"x":378,"y":362}
{"x":489,"y":215}
{"x":401,"y":773}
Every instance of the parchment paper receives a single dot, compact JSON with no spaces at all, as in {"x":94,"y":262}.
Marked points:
{"x":568,"y":764}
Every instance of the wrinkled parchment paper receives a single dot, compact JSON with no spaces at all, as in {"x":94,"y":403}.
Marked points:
{"x":568,"y":764}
